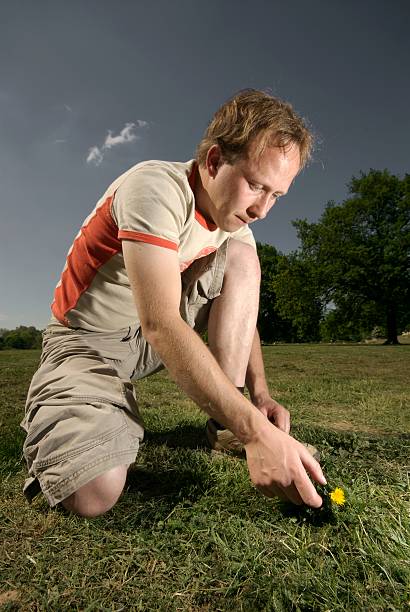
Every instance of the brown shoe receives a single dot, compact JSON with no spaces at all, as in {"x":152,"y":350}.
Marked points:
{"x":224,"y":441}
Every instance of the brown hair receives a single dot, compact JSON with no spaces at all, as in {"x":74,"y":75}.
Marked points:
{"x":253,"y":115}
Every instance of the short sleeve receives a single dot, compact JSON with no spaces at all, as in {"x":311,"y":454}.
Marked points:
{"x":150,"y":205}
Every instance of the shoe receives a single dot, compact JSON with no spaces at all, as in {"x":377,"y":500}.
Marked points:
{"x":224,"y":441}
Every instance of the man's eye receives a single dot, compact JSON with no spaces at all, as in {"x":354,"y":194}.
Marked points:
{"x":254,"y":187}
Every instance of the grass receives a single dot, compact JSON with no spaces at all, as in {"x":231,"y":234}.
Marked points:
{"x":191,"y":533}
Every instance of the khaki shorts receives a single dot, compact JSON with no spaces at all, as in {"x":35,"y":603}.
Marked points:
{"x":82,"y":417}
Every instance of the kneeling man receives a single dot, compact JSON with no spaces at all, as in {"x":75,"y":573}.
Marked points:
{"x":167,"y":253}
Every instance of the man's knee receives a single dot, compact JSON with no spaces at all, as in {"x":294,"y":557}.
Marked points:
{"x":242,"y":260}
{"x":99,"y":495}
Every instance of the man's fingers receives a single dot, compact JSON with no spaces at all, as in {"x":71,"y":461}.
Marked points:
{"x":282,"y":421}
{"x":264,"y":411}
{"x":312,"y":466}
{"x":272,"y":492}
{"x":281,"y":418}
{"x":307,"y":491}
{"x":291,"y":494}
{"x":302,"y":482}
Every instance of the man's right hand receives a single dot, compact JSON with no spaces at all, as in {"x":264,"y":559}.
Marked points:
{"x":278,"y":466}
{"x":277,"y":462}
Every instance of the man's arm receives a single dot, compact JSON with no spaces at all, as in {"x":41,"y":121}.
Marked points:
{"x":258,"y":388}
{"x":276,"y":461}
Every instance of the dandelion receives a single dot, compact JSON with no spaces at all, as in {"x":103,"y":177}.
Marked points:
{"x":338,"y":496}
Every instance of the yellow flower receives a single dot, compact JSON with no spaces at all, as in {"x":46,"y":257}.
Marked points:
{"x":338,"y":496}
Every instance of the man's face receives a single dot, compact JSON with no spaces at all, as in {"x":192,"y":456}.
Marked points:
{"x":244,"y":192}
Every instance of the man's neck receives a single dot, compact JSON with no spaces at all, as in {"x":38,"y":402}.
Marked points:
{"x":202,"y":200}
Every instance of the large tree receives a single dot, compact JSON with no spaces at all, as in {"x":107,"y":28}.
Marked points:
{"x":271,"y":325}
{"x":360,"y":249}
{"x":298,"y":296}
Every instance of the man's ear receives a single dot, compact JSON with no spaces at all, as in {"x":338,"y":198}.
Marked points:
{"x":214,"y":160}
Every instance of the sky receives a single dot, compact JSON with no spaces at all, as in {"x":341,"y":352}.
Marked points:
{"x":89,"y":88}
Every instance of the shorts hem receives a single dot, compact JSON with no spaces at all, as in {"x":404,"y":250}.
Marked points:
{"x":66,"y":486}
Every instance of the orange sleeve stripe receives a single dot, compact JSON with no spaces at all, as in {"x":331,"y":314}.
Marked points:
{"x":141,"y":237}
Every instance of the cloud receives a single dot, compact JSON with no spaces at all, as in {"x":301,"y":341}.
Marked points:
{"x":127,"y":134}
{"x":68,"y":108}
{"x":3,"y":316}
{"x":94,"y":156}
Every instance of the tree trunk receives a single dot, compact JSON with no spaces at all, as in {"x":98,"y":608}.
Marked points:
{"x":391,"y":325}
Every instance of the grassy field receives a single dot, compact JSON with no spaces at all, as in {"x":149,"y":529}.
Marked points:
{"x":191,"y":533}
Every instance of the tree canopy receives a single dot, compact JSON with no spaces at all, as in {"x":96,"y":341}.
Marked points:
{"x":271,"y":325}
{"x":359,"y":251}
{"x":21,"y":338}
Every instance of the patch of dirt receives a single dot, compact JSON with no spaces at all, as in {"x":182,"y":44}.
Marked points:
{"x":9,"y":597}
{"x":352,"y":427}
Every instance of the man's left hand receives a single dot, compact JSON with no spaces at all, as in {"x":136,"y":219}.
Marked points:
{"x":275,"y":412}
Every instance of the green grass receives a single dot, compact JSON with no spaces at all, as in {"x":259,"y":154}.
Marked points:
{"x":191,"y":533}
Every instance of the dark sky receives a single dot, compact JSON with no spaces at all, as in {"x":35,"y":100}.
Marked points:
{"x":71,"y":72}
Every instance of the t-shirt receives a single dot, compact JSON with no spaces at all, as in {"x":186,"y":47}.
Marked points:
{"x":152,"y":202}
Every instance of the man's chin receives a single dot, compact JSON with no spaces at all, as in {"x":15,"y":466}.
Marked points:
{"x":233,"y":224}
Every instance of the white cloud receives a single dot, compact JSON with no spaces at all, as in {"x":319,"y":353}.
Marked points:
{"x":94,"y":156}
{"x":3,"y":316}
{"x":127,"y":134}
{"x":68,"y":108}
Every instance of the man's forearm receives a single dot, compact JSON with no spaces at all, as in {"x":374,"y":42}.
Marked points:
{"x":197,"y":372}
{"x":255,"y":373}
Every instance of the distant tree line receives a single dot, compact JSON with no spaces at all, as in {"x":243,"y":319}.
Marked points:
{"x":20,"y":338}
{"x":350,"y":278}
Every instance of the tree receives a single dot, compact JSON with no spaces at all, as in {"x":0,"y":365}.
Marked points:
{"x":298,"y":296}
{"x":360,"y":250}
{"x":22,"y":338}
{"x":341,"y":324}
{"x":271,"y":325}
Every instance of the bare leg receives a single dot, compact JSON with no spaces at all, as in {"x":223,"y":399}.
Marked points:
{"x":99,"y":495}
{"x":233,"y":314}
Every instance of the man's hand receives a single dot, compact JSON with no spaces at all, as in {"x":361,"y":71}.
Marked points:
{"x":274,"y":412}
{"x":278,"y":465}
{"x":276,"y":461}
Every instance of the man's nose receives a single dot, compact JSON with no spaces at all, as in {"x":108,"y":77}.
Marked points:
{"x":259,"y":209}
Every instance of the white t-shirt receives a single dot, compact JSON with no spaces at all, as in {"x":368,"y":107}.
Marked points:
{"x":152,"y":202}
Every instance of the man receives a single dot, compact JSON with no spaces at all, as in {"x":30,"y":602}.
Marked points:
{"x":166,"y":253}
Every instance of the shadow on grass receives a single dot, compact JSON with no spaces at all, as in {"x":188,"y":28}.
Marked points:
{"x":174,"y":482}
{"x":171,"y":471}
{"x":152,"y":495}
{"x":327,"y":514}
{"x":181,"y":436}
{"x":303,"y":514}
